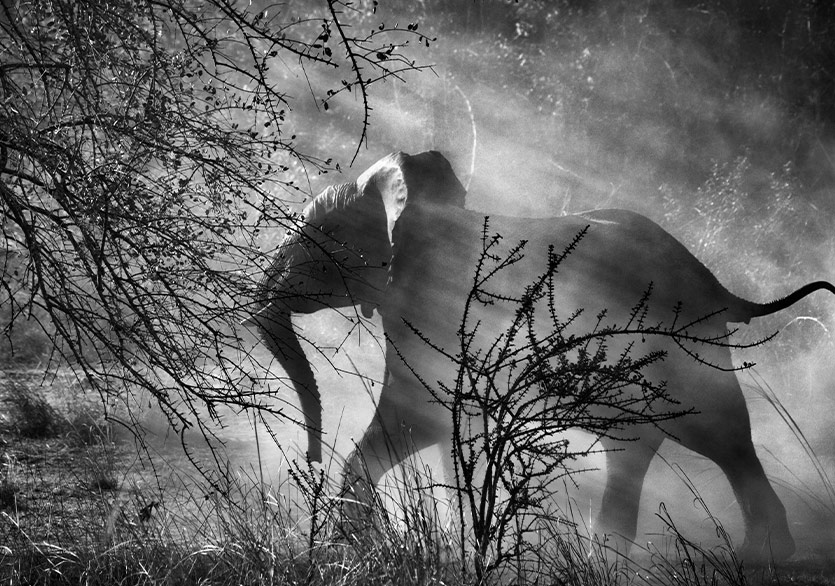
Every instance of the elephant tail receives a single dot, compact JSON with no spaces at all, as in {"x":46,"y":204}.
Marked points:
{"x":750,"y":309}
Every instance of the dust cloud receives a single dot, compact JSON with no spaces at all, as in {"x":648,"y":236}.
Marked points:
{"x":689,"y":114}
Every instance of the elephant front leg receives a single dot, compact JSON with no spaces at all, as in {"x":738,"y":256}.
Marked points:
{"x":370,"y":460}
{"x":395,"y":434}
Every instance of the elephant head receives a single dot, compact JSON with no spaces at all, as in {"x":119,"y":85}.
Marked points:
{"x":337,"y":254}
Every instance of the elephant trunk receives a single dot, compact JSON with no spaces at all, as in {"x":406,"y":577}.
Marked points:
{"x":280,"y":337}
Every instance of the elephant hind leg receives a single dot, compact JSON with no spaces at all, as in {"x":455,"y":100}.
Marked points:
{"x":627,"y":463}
{"x":767,"y":534}
{"x":720,"y":430}
{"x":724,"y":436}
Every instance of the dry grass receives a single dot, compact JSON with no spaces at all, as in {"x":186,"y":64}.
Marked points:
{"x":62,"y":521}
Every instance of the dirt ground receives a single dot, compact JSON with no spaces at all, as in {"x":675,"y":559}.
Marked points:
{"x":81,"y":487}
{"x":63,"y":471}
{"x":58,"y":490}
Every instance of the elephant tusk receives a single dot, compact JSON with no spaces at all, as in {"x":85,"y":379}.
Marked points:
{"x":253,"y":320}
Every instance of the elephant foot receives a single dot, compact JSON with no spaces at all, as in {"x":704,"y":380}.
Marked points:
{"x":613,"y":545}
{"x":359,"y":518}
{"x":363,"y":532}
{"x":773,"y":547}
{"x":351,"y":530}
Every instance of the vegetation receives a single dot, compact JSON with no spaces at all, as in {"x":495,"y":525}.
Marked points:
{"x":151,"y":153}
{"x":508,"y":453}
{"x":143,"y":148}
{"x":240,"y":535}
{"x":509,"y":448}
{"x":60,"y":525}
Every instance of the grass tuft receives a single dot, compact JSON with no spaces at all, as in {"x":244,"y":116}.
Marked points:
{"x":30,"y":414}
{"x":8,"y":484}
{"x":73,"y":513}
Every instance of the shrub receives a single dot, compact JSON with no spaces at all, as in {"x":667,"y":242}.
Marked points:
{"x":31,"y":415}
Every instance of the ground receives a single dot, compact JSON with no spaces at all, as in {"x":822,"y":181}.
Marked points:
{"x":78,"y":490}
{"x":58,"y":490}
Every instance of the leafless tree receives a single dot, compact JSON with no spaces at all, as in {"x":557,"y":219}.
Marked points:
{"x":143,"y":145}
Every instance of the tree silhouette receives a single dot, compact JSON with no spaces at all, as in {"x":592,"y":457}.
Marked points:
{"x":143,"y":145}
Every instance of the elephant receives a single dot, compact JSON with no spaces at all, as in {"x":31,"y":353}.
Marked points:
{"x":399,"y":240}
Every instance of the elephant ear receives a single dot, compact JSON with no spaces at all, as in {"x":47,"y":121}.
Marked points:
{"x":399,"y":180}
